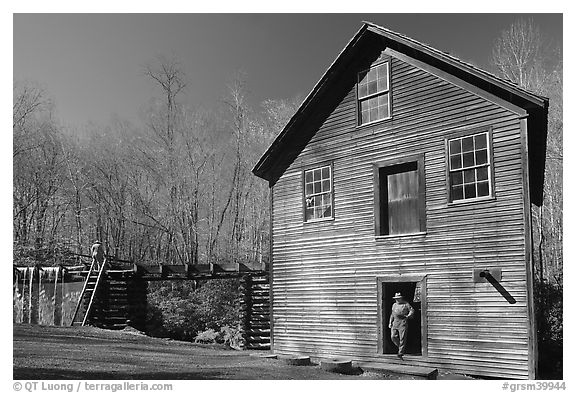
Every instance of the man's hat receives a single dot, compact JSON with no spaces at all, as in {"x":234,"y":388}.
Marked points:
{"x":398,"y":296}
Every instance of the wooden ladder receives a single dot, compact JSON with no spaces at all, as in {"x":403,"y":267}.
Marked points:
{"x":85,"y":304}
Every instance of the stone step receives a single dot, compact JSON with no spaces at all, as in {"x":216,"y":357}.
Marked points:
{"x":259,"y":346}
{"x":416,"y":371}
{"x":295,"y":360}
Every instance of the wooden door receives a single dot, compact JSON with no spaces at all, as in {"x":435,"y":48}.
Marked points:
{"x":399,"y":199}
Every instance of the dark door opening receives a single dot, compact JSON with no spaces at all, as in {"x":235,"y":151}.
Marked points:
{"x":413,"y":294}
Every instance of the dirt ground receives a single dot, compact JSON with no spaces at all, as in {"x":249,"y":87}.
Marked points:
{"x":50,"y":352}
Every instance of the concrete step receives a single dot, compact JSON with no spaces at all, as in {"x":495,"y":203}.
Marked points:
{"x":415,"y":371}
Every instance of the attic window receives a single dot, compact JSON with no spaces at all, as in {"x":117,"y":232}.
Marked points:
{"x":374,"y":94}
{"x":318,"y":193}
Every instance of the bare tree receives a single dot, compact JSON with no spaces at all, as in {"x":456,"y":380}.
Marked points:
{"x":177,"y":190}
{"x":519,"y":55}
{"x":169,"y":76}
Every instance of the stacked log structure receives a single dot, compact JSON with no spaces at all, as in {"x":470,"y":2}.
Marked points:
{"x":255,"y":308}
{"x":121,"y":302}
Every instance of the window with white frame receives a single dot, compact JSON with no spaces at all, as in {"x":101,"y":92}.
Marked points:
{"x":469,"y":167}
{"x":318,"y":200}
{"x":374,"y":94}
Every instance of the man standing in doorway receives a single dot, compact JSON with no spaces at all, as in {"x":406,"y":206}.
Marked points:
{"x":401,"y":312}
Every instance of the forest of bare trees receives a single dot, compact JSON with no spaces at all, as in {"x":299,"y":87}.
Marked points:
{"x":177,"y":190}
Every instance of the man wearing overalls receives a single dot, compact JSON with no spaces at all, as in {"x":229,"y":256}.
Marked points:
{"x":401,"y":312}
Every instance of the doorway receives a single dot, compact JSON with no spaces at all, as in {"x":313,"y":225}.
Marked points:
{"x":413,"y":289}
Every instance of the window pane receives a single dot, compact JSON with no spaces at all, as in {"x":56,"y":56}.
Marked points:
{"x":365,"y":117}
{"x":373,"y":114}
{"x":482,"y":173}
{"x":362,"y":91}
{"x":309,"y":214}
{"x":317,"y":174}
{"x":456,"y":178}
{"x":468,"y":159}
{"x":373,"y":102}
{"x":383,"y":77}
{"x":309,"y":189}
{"x":382,"y":84}
{"x":481,"y":157}
{"x":469,"y":176}
{"x":317,"y":186}
{"x":456,"y":162}
{"x":383,"y":71}
{"x":325,"y":185}
{"x":365,"y":105}
{"x":372,"y":76}
{"x":372,"y":87}
{"x":457,"y":193}
{"x":317,"y":212}
{"x":480,"y":141}
{"x":308,"y":176}
{"x":325,"y":173}
{"x":483,"y":189}
{"x":383,"y":111}
{"x":467,"y":144}
{"x":383,"y":100}
{"x":455,"y":146}
{"x":328,"y":212}
{"x":470,"y":191}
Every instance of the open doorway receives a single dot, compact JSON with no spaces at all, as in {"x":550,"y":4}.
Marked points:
{"x":413,"y":289}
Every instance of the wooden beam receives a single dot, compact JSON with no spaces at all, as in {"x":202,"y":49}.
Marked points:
{"x":529,"y":260}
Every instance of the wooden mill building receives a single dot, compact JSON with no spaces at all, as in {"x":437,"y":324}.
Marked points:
{"x":407,"y":170}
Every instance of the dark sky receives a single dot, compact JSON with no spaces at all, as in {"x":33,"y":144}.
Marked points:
{"x":92,"y":64}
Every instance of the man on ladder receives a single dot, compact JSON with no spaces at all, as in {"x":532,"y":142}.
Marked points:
{"x":98,"y":254}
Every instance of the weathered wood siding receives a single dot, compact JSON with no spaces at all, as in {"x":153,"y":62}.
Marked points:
{"x":324,"y":281}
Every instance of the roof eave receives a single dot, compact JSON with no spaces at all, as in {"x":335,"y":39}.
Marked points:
{"x":259,"y":168}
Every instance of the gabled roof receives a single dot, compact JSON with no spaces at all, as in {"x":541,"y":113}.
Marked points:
{"x":488,"y":76}
{"x":290,"y":140}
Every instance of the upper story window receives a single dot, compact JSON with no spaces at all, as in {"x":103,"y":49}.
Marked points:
{"x":318,"y":198}
{"x":469,"y":167}
{"x":374,"y":94}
